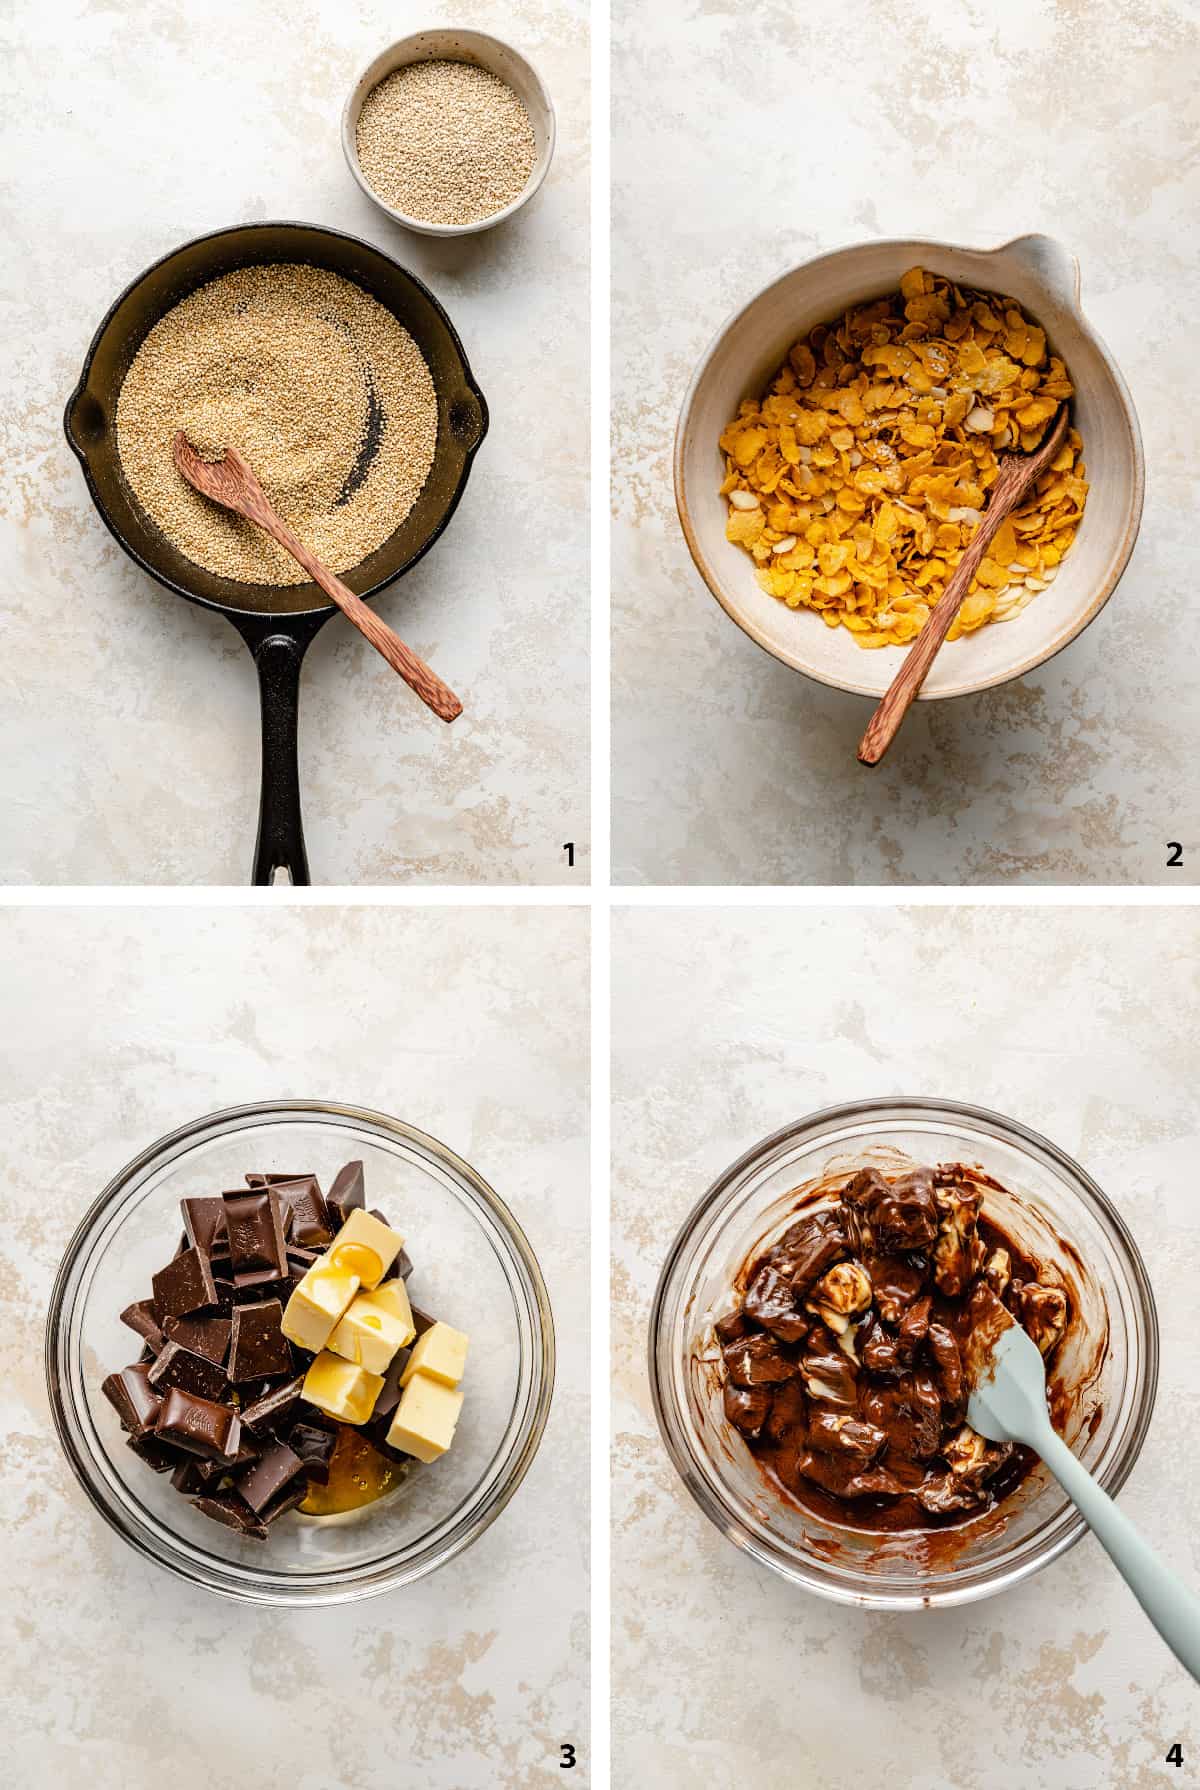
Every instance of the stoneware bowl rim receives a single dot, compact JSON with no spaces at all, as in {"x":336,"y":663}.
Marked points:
{"x":1131,"y":506}
{"x":429,"y":45}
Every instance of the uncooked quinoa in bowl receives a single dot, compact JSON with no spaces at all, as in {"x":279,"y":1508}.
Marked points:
{"x":449,"y":132}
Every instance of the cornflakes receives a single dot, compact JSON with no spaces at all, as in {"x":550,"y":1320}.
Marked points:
{"x":857,"y":480}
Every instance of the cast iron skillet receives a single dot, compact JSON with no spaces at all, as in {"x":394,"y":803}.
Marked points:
{"x":277,"y":622}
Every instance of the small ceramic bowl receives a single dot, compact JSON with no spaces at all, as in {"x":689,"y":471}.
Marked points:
{"x":491,"y":53}
{"x":1044,"y":280}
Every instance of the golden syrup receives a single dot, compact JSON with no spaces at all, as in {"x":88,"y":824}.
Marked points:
{"x":358,"y":1475}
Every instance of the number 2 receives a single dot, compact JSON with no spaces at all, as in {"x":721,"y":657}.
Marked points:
{"x":1174,"y":860}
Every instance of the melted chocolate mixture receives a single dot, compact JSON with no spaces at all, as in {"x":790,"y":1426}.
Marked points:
{"x":848,"y":1356}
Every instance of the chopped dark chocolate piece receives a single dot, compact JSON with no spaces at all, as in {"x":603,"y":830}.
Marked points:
{"x":189,"y":1476}
{"x":731,"y":1326}
{"x":155,"y":1451}
{"x":198,"y":1425}
{"x":302,"y":1258}
{"x":757,"y":1361}
{"x":315,"y":1447}
{"x":223,"y":1279}
{"x":376,"y":1432}
{"x":310,"y":1215}
{"x":275,"y":1407}
{"x":189,"y":1372}
{"x":205,"y":1221}
{"x":228,"y":1508}
{"x":277,"y":1180}
{"x":747,"y":1406}
{"x":811,"y":1246}
{"x":830,"y":1378}
{"x":203,"y":1336}
{"x":211,"y":1471}
{"x":287,"y":1500}
{"x":901,"y":1214}
{"x":295,"y":1274}
{"x":143,"y":1318}
{"x":134,"y":1399}
{"x":263,"y":1481}
{"x":257,"y":1247}
{"x":258,"y":1348}
{"x":401,"y":1268}
{"x":421,"y":1321}
{"x":184,"y":1285}
{"x":771,"y":1302}
{"x":348,"y":1191}
{"x":389,"y":1392}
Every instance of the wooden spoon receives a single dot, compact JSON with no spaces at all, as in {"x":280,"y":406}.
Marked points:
{"x":1018,"y":473}
{"x":230,"y":482}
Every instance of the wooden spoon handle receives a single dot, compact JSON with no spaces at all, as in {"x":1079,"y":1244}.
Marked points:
{"x":894,"y":705}
{"x":419,"y":677}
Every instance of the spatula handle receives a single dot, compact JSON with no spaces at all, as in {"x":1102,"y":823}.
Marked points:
{"x":1171,"y":1607}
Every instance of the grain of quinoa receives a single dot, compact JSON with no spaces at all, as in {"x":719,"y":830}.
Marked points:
{"x":323,"y":392}
{"x":445,"y":142}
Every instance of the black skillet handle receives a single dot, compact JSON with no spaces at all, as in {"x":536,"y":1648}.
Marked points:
{"x":278,"y":650}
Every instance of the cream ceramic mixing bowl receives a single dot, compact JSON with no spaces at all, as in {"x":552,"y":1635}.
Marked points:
{"x":1044,"y":280}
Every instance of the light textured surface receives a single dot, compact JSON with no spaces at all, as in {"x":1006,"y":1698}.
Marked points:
{"x":129,"y":726}
{"x":473,"y":1026}
{"x":773,"y":136}
{"x":1079,"y":1023}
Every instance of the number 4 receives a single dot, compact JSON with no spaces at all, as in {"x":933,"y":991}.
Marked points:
{"x":1175,"y":1756}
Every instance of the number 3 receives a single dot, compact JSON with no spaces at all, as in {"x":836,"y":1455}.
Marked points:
{"x":568,"y":1758}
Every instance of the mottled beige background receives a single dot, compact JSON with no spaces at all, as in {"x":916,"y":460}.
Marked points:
{"x":471,"y":1024}
{"x":129,"y":734}
{"x":1079,"y":1022}
{"x":749,"y":138}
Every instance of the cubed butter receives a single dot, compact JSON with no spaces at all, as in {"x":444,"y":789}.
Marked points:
{"x":393,"y":1297}
{"x":374,"y":1326}
{"x":312,"y":1312}
{"x":440,"y":1352}
{"x":365,"y":1246}
{"x":341,"y":1388}
{"x":425,"y":1417}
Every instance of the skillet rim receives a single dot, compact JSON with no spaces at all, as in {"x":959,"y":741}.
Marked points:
{"x":316,"y":612}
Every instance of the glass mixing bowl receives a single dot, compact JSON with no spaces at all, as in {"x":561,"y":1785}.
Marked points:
{"x":474,"y":1268}
{"x":1111,"y":1349}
